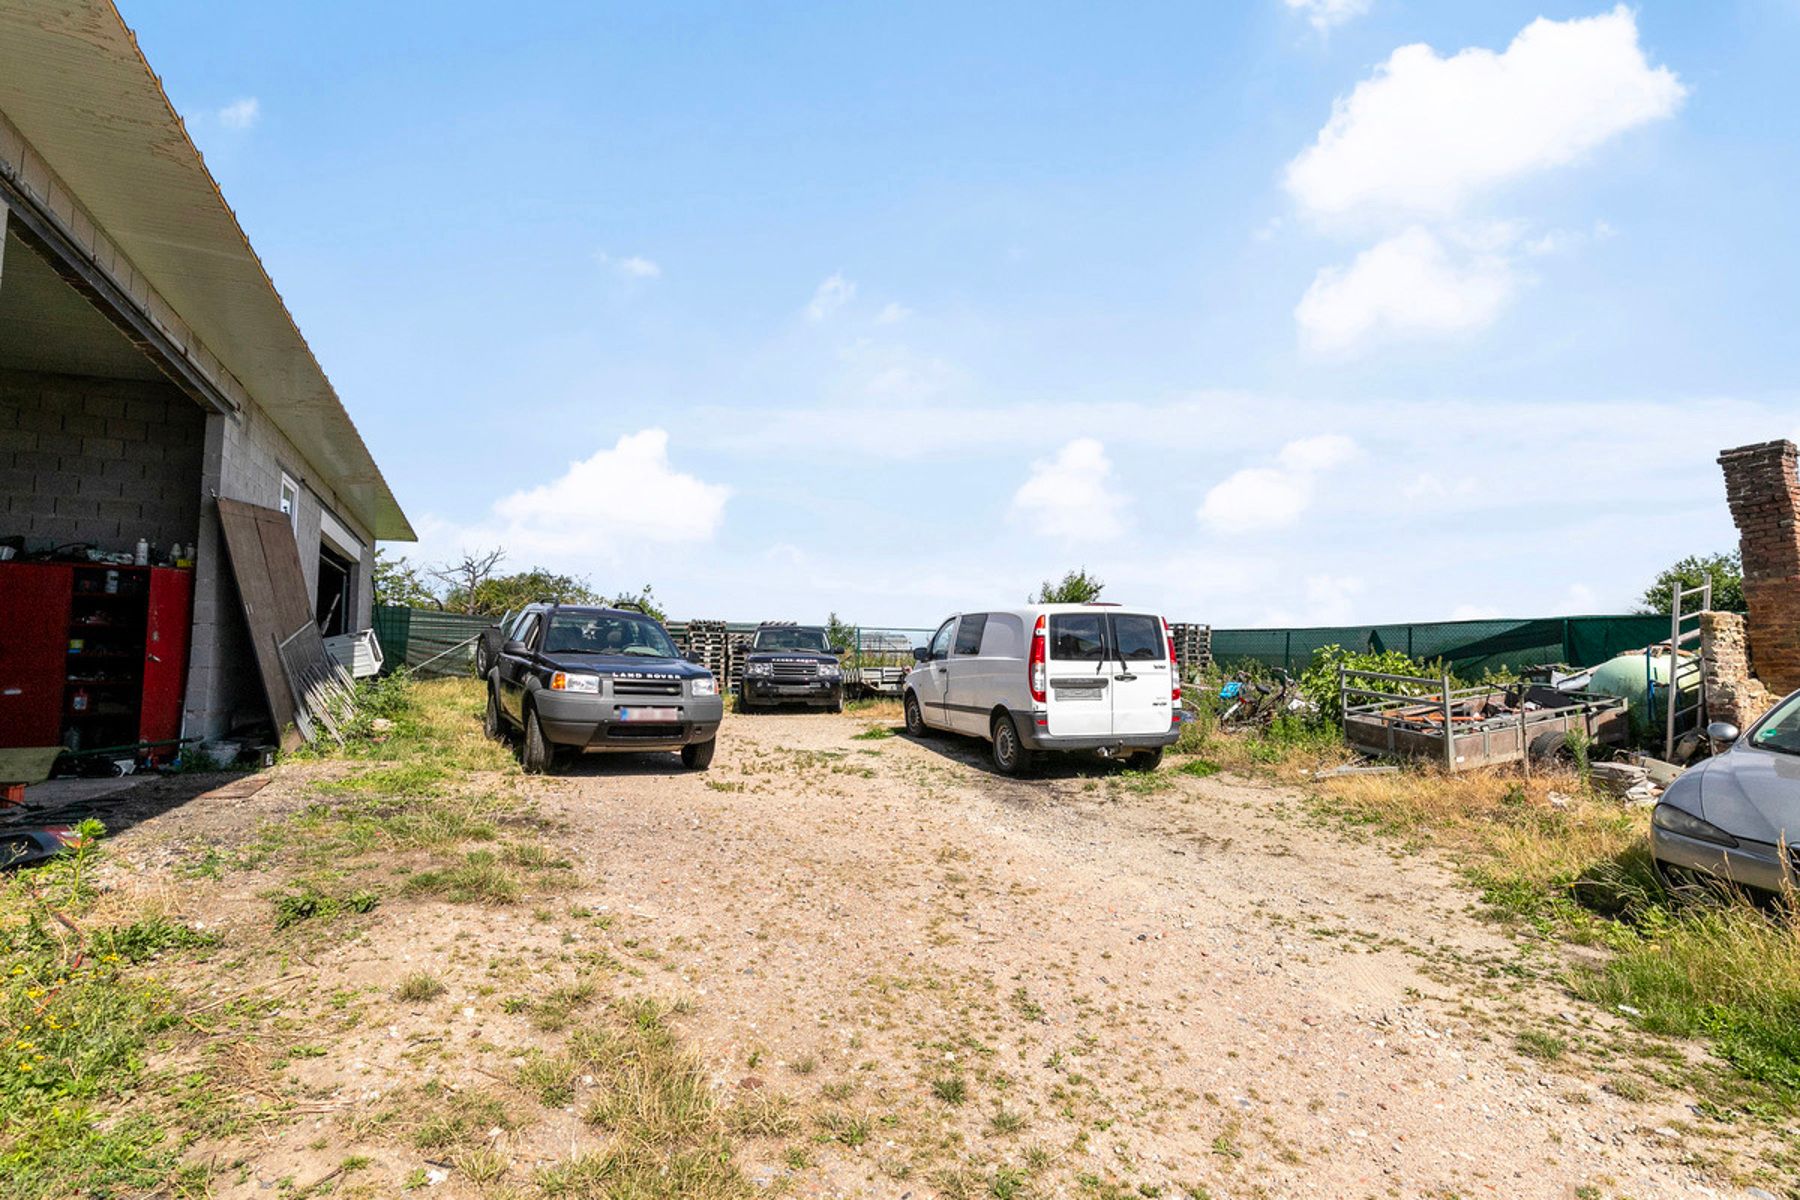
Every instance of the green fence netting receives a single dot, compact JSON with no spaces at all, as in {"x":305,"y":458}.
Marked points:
{"x":1470,"y":647}
{"x":431,"y":643}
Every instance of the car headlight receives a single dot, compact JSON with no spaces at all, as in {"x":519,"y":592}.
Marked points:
{"x":706,"y":687}
{"x":759,"y":669}
{"x":562,"y":681}
{"x":1679,"y":820}
{"x":826,"y":668}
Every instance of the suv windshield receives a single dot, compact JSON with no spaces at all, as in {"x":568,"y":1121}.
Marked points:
{"x":791,"y":637}
{"x":577,"y":632}
{"x":1780,"y":730}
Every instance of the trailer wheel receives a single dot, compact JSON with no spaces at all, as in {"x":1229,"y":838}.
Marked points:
{"x":1549,"y":746}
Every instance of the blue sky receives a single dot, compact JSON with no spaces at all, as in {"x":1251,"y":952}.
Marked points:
{"x":1288,"y":311}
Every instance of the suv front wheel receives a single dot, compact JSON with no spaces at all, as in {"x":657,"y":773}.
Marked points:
{"x":697,"y":756}
{"x":535,"y":754}
{"x":491,"y":724}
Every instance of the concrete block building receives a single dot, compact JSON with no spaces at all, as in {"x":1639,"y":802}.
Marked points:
{"x":148,"y":366}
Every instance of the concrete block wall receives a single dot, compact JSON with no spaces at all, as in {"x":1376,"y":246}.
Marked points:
{"x":105,"y":461}
{"x":1764,"y":494}
{"x":244,"y":459}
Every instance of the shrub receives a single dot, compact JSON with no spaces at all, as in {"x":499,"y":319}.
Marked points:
{"x":1319,"y":682}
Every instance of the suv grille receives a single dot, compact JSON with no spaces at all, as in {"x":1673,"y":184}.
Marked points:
{"x":795,"y":670}
{"x":646,"y":687}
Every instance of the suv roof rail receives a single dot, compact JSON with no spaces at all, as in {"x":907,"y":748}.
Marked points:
{"x":626,"y":606}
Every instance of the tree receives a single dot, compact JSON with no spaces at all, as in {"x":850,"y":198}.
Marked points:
{"x":398,"y":582}
{"x":1077,"y":587}
{"x":493,"y":596}
{"x":466,"y":576}
{"x":840,"y":633}
{"x":644,"y":598}
{"x":1725,"y":570}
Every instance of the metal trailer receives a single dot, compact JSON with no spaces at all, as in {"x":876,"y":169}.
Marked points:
{"x":880,"y":659}
{"x":1393,"y":716}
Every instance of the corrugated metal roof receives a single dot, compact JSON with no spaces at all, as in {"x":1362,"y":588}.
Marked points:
{"x":74,"y":83}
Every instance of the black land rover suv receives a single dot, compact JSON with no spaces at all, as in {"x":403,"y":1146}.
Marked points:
{"x":791,"y":664}
{"x":574,"y":678}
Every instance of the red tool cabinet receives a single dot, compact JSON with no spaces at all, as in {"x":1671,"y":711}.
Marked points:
{"x":92,"y":655}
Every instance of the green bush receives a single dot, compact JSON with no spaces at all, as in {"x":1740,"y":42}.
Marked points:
{"x":1319,"y":682}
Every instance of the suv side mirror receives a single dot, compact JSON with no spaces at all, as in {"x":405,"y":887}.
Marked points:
{"x":692,"y":656}
{"x":840,"y":651}
{"x":921,"y":654}
{"x":515,"y":646}
{"x":1722,"y":731}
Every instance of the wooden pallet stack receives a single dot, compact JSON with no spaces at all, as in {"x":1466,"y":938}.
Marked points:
{"x":708,"y":644}
{"x":1193,"y":648}
{"x":737,"y":645}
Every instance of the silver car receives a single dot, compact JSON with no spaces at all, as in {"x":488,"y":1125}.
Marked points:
{"x":1736,"y":816}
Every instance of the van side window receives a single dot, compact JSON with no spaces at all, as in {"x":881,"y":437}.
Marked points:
{"x":524,"y":629}
{"x":940,"y":641}
{"x":1004,"y":637}
{"x":968,"y":634}
{"x":1078,"y":637}
{"x":1139,"y":638}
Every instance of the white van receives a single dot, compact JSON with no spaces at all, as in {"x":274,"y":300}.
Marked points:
{"x":1050,"y":677}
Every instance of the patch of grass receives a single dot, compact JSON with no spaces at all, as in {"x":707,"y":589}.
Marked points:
{"x":450,"y":1121}
{"x":481,"y":878}
{"x":1006,"y":1122}
{"x":844,"y":1127}
{"x":308,"y":903}
{"x":1540,"y":1044}
{"x":1197,"y":768}
{"x":761,"y":1113}
{"x":873,"y":733}
{"x":419,"y":987}
{"x":951,"y":1089}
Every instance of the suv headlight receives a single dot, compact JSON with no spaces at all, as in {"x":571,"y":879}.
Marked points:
{"x":562,"y":681}
{"x":759,"y":668}
{"x":706,"y":687}
{"x":1679,"y":820}
{"x":826,"y":668}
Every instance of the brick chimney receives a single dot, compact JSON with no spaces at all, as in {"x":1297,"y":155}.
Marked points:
{"x":1764,"y":493}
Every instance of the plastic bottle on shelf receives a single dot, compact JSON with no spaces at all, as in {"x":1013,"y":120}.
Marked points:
{"x":79,"y":701}
{"x":112,"y":583}
{"x":142,"y":557}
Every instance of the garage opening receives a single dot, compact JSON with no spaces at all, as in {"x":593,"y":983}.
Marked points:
{"x":336,"y":599}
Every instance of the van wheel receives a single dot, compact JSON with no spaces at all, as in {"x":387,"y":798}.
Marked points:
{"x":1010,"y":755}
{"x":697,"y":756}
{"x":915,"y":717}
{"x":535,"y":754}
{"x":1147,"y":760}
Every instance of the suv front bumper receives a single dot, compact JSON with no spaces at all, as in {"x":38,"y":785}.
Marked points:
{"x":763,"y":690}
{"x":585,"y":722}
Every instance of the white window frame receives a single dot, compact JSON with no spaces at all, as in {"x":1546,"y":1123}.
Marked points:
{"x":291,"y":489}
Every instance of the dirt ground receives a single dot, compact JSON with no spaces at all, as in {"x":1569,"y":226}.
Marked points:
{"x":1084,"y":983}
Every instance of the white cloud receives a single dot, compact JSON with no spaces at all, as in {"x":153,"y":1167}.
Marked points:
{"x":241,"y":113}
{"x":1070,"y":496}
{"x":1474,"y":612}
{"x":1327,"y":14}
{"x":628,"y":495}
{"x":632,"y":266}
{"x":1259,"y":498}
{"x":892,"y":314}
{"x":1426,"y":133}
{"x":832,"y":294}
{"x":1410,"y":285}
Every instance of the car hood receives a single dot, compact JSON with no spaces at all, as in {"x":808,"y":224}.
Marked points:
{"x":1752,"y":794}
{"x":627,"y":664}
{"x":805,"y":656}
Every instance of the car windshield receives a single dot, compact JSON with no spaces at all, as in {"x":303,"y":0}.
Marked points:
{"x":1780,"y":730}
{"x":606,"y":633}
{"x":797,"y":637}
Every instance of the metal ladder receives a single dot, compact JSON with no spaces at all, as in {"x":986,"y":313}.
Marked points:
{"x":1679,"y":674}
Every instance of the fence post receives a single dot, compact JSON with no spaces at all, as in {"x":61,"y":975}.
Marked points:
{"x":1343,"y":698}
{"x":1449,"y":726}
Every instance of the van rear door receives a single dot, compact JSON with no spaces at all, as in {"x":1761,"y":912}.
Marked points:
{"x":1079,"y":675}
{"x":1141,"y":684}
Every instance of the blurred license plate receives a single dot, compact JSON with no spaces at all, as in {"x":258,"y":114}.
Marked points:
{"x":1064,"y":695}
{"x":649,"y":714}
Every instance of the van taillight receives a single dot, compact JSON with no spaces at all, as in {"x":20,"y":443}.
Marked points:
{"x":1037,"y":667}
{"x":1174,"y":666}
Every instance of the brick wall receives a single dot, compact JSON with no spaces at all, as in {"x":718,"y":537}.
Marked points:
{"x":98,"y":460}
{"x":1764,"y":494}
{"x":1732,"y":693}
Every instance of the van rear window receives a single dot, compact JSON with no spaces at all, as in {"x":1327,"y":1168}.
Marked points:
{"x":1078,"y":637}
{"x":1140,"y":638}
